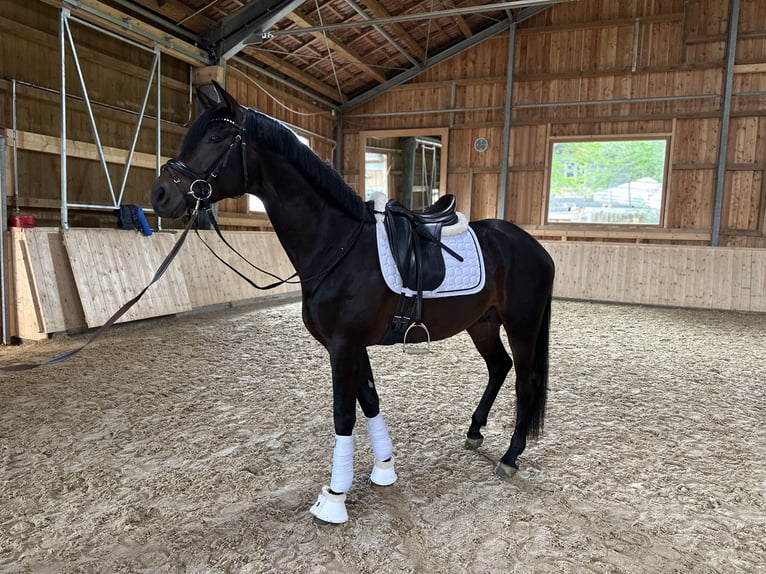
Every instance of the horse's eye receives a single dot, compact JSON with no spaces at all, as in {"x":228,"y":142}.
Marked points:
{"x":215,"y":139}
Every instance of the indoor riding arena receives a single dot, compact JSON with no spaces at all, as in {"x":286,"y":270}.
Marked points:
{"x":194,"y":315}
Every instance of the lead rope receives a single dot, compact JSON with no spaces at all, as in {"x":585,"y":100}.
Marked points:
{"x":121,"y":311}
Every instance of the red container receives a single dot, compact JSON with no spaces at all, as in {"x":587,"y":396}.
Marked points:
{"x":17,"y":220}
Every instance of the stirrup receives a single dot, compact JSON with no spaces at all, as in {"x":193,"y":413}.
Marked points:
{"x":417,"y":350}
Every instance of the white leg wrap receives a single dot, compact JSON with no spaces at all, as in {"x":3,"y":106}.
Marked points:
{"x":383,"y":473}
{"x":381,"y":442}
{"x":342,"y":464}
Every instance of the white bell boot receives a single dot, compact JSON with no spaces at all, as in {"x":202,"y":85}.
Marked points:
{"x":383,"y":473}
{"x":330,"y":507}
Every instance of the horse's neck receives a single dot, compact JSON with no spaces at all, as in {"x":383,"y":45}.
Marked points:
{"x":310,"y":229}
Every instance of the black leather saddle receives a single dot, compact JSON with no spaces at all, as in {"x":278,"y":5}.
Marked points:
{"x":415,"y":241}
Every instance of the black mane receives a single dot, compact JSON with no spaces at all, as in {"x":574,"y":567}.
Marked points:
{"x":278,"y":138}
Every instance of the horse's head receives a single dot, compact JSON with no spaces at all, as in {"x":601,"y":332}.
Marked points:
{"x":211,"y":164}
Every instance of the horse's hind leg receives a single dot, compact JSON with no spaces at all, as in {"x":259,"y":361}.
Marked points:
{"x":486,"y":336}
{"x":529,"y":344}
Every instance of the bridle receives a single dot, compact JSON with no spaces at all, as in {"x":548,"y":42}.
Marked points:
{"x":201,"y":188}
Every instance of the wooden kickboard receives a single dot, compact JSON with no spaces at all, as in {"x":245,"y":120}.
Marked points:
{"x":53,"y":286}
{"x":210,"y":282}
{"x":111,"y":266}
{"x":682,"y":276}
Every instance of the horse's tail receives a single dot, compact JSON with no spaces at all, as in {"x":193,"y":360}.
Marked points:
{"x":540,"y":372}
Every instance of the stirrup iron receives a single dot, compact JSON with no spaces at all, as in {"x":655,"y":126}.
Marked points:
{"x":417,"y":350}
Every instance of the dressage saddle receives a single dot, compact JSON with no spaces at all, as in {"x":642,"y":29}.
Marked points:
{"x":415,"y":241}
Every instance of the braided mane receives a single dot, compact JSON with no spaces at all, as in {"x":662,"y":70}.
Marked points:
{"x":278,"y":138}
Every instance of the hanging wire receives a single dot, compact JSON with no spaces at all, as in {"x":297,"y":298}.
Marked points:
{"x":265,"y":91}
{"x":200,"y":11}
{"x":428,"y":31}
{"x":329,"y":52}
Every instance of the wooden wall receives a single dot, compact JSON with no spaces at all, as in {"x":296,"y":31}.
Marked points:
{"x":116,"y":75}
{"x":74,"y":279}
{"x":663,"y":65}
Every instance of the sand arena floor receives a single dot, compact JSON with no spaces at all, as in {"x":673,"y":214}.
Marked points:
{"x":197,"y":444}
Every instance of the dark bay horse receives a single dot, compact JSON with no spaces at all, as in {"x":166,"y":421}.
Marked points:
{"x":329,"y":235}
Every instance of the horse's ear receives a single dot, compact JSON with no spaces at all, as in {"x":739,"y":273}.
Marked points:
{"x":204,"y":99}
{"x":225,"y":96}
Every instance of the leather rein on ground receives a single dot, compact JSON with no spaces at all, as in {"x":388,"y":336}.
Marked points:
{"x":200,"y":190}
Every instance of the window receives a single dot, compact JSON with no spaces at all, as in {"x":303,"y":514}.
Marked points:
{"x":607,"y":181}
{"x":254,"y":204}
{"x":375,"y":174}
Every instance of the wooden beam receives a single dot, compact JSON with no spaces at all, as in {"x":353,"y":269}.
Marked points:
{"x":459,"y":20}
{"x":750,"y":68}
{"x":336,"y":45}
{"x":51,"y":144}
{"x":133,"y":28}
{"x":636,"y":234}
{"x":295,"y":73}
{"x":379,"y":11}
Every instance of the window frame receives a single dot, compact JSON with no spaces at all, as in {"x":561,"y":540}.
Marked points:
{"x":553,"y":140}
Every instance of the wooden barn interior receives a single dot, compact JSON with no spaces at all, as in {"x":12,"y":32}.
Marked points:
{"x":414,"y":99}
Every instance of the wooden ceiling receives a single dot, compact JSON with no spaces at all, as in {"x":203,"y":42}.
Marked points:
{"x":340,"y":52}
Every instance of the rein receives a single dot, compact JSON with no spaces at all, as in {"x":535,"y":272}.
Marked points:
{"x":343,"y":251}
{"x":121,"y":311}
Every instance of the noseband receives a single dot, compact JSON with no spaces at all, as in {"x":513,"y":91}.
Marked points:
{"x":201,"y":187}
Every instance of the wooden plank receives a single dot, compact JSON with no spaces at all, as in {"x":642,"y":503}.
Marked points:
{"x":52,"y":281}
{"x":583,"y":232}
{"x":750,"y":68}
{"x":677,"y":276}
{"x":210,"y":282}
{"x":86,"y":9}
{"x":25,"y":322}
{"x":112,"y":266}
{"x":52,"y":144}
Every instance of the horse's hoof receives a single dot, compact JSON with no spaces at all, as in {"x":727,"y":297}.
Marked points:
{"x":330,"y":508}
{"x":473,"y":443}
{"x":505,"y":470}
{"x":383,"y":473}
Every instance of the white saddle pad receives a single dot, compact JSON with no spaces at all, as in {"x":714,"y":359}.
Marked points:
{"x":461,"y":278}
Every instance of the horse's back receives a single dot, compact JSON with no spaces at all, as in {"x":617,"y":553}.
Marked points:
{"x":508,"y":242}
{"x":523,"y":268}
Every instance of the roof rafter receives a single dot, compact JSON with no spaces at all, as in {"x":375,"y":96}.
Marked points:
{"x":295,"y":73}
{"x":379,"y":11}
{"x":502,"y":26}
{"x":335,"y":44}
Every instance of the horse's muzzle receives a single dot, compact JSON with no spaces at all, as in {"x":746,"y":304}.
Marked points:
{"x":167,"y":199}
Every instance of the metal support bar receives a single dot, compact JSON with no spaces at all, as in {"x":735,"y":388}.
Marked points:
{"x":450,"y":12}
{"x":138,"y":127}
{"x":339,"y":142}
{"x":89,"y":109}
{"x":720,"y":180}
{"x":507,"y":121}
{"x":154,"y":76}
{"x":62,"y":67}
{"x":4,"y":298}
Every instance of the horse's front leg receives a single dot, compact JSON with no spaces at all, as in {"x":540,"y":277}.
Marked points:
{"x":348,"y":366}
{"x":383,"y":473}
